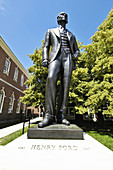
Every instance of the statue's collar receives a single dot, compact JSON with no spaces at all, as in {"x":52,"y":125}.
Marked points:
{"x":57,"y":32}
{"x":62,"y":28}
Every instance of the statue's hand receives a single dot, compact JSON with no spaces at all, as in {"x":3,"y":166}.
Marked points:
{"x":45,"y":63}
{"x":75,"y":56}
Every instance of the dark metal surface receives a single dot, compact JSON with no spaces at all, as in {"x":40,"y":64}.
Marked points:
{"x":60,"y":62}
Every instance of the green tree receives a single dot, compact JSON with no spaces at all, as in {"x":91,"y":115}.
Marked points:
{"x":34,"y":94}
{"x":79,"y":84}
{"x":99,"y":61}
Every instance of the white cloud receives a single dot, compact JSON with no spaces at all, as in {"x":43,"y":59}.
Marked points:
{"x":2,"y":8}
{"x":1,"y":2}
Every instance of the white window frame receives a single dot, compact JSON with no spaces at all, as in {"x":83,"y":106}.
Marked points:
{"x":22,"y":80}
{"x":1,"y":107}
{"x":18,"y":106}
{"x":24,"y":108}
{"x":26,"y":86}
{"x":11,"y":103}
{"x":15,"y":78}
{"x":6,"y":71}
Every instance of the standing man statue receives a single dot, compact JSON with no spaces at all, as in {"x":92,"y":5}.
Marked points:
{"x":60,"y":62}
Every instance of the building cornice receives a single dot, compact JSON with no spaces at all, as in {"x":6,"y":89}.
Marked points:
{"x":12,"y":56}
{"x":11,"y":85}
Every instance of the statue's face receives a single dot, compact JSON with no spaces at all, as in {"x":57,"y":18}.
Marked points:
{"x":62,"y":17}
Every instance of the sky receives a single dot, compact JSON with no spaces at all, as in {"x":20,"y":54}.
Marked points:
{"x":24,"y":23}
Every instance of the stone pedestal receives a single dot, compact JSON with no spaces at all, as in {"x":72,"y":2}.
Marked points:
{"x":56,"y":131}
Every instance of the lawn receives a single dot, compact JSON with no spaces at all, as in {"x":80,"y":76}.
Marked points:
{"x":101,"y":131}
{"x":9,"y":138}
{"x":104,"y":139}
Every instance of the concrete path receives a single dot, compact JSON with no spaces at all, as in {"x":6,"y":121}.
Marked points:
{"x":8,"y":130}
{"x":36,"y":154}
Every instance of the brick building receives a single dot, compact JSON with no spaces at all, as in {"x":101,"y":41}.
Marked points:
{"x":12,"y":78}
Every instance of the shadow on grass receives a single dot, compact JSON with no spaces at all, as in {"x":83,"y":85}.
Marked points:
{"x":102,"y":127}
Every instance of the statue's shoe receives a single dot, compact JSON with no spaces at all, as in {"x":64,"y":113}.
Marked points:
{"x":63,"y":121}
{"x":45,"y":122}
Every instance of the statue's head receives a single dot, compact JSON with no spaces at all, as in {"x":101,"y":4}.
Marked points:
{"x":62,"y":17}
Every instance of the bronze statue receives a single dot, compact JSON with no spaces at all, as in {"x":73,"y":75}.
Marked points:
{"x":60,"y":62}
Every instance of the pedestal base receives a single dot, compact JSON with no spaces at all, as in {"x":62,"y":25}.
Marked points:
{"x":57,"y":131}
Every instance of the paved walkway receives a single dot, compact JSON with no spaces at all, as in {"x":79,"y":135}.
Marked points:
{"x":44,"y":154}
{"x":28,"y":154}
{"x":8,"y":130}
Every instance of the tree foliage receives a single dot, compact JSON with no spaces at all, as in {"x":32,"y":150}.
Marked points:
{"x":100,"y":64}
{"x":79,"y":84}
{"x":35,"y":93}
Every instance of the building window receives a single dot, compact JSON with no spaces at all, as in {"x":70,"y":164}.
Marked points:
{"x":24,"y":107}
{"x":15,"y":75}
{"x":26,"y":85}
{"x":22,"y":80}
{"x":11,"y":103}
{"x":7,"y":66}
{"x":18,"y":106}
{"x":2,"y":95}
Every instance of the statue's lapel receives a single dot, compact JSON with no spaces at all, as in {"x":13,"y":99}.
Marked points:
{"x":57,"y":32}
{"x":69,"y":35}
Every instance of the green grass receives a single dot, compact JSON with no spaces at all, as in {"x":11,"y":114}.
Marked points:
{"x":9,"y":138}
{"x":104,"y":139}
{"x":101,"y":131}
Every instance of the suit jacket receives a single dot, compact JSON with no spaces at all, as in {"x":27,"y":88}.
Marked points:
{"x":53,"y":39}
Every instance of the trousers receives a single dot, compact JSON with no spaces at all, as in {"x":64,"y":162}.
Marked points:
{"x":60,"y":67}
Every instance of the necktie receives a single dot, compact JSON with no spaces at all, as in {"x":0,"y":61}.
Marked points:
{"x":62,"y":30}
